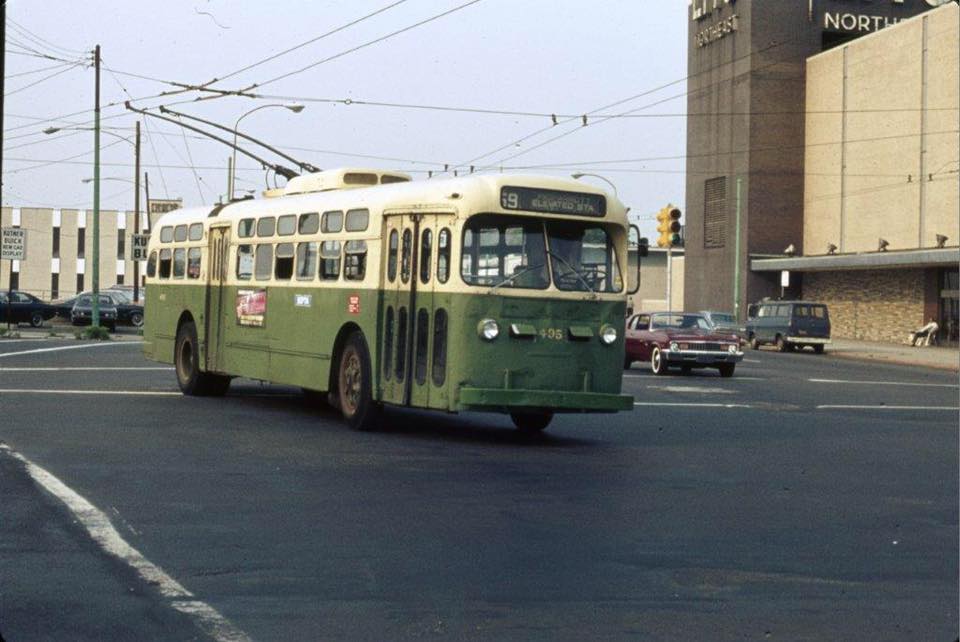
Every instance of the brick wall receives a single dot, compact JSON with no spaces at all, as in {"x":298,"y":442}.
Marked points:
{"x":873,"y":305}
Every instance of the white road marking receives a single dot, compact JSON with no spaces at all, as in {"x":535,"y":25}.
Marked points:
{"x":81,"y":369}
{"x":630,"y":375}
{"x":131,"y":393}
{"x":751,"y":360}
{"x":694,"y":389}
{"x":85,"y":345}
{"x":885,"y":383}
{"x":853,"y":407}
{"x":106,"y":536}
{"x":691,"y":405}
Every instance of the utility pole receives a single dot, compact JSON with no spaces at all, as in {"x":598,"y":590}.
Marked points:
{"x":146,"y":196}
{"x":95,"y":313}
{"x":3,"y":76}
{"x":669,"y":278}
{"x":136,"y":215}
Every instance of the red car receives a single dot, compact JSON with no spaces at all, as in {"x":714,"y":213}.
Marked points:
{"x":680,"y":339}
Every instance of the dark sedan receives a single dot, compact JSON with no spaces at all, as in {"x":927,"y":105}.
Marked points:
{"x":20,"y":307}
{"x":128,"y":312}
{"x":684,"y":340}
{"x":82,"y":313}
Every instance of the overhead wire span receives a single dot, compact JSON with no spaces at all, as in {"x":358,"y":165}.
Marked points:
{"x":364,"y":45}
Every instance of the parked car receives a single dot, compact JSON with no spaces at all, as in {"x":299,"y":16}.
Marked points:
{"x":20,"y":307}
{"x":82,"y":313}
{"x":789,"y":325}
{"x":684,"y":340}
{"x":128,"y":312}
{"x":725,"y":323}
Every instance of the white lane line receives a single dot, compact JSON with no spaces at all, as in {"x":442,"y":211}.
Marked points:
{"x":85,"y":345}
{"x":106,"y":536}
{"x":702,"y":390}
{"x":853,"y":407}
{"x":81,"y":369}
{"x":885,"y":383}
{"x":130,"y":393}
{"x":691,"y":405}
{"x":751,"y":360}
{"x":736,"y":378}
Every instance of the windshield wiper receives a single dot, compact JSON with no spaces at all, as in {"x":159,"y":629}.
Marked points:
{"x":516,"y":275}
{"x":572,"y":269}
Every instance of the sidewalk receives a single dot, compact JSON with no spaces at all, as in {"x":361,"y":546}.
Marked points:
{"x":928,"y":357}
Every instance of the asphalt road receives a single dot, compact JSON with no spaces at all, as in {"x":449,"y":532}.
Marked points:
{"x":807,"y":498}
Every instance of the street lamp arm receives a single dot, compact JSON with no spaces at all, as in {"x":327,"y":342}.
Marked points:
{"x":279,"y":169}
{"x":305,"y":166}
{"x":602,"y":178}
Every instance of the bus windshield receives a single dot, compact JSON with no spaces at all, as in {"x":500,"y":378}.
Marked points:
{"x":513,"y":252}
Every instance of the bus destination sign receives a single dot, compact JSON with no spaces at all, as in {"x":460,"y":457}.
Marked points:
{"x":551,"y":201}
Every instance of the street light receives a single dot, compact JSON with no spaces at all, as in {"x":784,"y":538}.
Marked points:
{"x":294,"y":107}
{"x":602,"y":178}
{"x":136,"y":198}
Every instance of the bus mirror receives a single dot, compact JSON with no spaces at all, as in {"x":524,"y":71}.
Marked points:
{"x":636,"y":249}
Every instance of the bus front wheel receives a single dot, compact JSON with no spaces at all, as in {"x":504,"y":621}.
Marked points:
{"x":186,"y":360}
{"x":355,"y":385}
{"x":531,"y":422}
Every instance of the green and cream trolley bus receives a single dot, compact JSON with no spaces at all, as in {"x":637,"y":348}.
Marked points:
{"x":482,"y":293}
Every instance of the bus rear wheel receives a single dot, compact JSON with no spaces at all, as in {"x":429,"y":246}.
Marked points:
{"x":186,"y":359}
{"x":355,"y":385}
{"x":531,"y":422}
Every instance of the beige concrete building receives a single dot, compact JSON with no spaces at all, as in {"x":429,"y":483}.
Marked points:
{"x":60,"y":246}
{"x":652,"y":295}
{"x":881,"y":224}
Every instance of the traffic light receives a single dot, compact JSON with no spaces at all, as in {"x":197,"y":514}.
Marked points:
{"x":668,"y":224}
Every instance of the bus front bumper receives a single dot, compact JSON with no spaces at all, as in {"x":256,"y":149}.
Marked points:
{"x":499,"y":399}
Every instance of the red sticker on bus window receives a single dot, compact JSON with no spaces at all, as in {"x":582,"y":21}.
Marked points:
{"x":353,"y":304}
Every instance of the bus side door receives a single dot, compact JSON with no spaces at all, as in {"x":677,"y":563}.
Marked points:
{"x":413,"y":337}
{"x":217,"y":306}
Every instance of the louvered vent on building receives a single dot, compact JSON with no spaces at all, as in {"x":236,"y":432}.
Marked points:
{"x":715,"y":212}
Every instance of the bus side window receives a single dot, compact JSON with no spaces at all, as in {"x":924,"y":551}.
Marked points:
{"x":309,"y":223}
{"x":426,"y":244}
{"x":283,"y":269}
{"x":330,"y":260}
{"x":388,"y":344}
{"x":166,"y":260}
{"x":166,"y":234}
{"x":152,"y":264}
{"x":287,"y":225}
{"x":332,"y":221}
{"x":443,"y":256}
{"x":245,"y":228}
{"x":401,"y":344}
{"x":439,"y":368}
{"x":405,"y":256}
{"x":196,"y":231}
{"x":392,"y":258}
{"x":266,"y":226}
{"x":180,"y":261}
{"x":357,"y":220}
{"x":180,"y":233}
{"x":264,"y":265}
{"x":306,"y":260}
{"x":423,"y":334}
{"x":193,"y":262}
{"x":244,"y":262}
{"x":355,"y":263}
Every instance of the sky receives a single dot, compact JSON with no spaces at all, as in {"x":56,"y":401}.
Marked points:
{"x":535,"y":58}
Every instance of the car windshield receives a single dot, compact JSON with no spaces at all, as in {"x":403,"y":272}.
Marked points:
{"x":120,"y":297}
{"x":513,"y":252}
{"x":720,"y":317}
{"x":87,"y":300}
{"x":679,"y":321}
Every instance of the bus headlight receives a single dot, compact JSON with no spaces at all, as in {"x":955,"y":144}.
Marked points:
{"x":488,"y":329}
{"x":608,"y":334}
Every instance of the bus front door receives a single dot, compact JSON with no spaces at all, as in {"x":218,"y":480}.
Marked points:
{"x":408,"y":365}
{"x":217,"y":305}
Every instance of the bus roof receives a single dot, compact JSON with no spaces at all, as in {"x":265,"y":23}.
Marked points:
{"x":470,"y":192}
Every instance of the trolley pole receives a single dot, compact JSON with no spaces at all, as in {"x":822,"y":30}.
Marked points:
{"x":136,"y":215}
{"x":95,"y":313}
{"x":146,"y":198}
